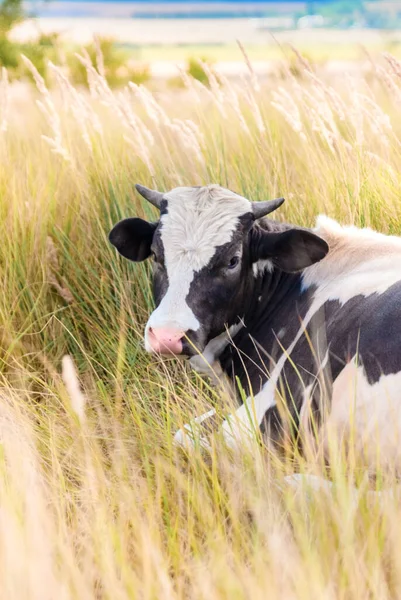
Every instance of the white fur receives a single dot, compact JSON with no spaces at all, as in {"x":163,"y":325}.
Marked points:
{"x":197,"y":221}
{"x":371,"y":412}
{"x":261,"y":266}
{"x":246,"y":420}
{"x":360,"y":261}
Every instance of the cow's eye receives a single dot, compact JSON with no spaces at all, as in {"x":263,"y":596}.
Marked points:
{"x":154,"y":256}
{"x":233,"y":262}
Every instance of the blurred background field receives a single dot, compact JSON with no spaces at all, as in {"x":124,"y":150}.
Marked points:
{"x":152,"y":40}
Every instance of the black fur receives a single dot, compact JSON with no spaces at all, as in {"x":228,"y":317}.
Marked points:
{"x":291,"y":250}
{"x":133,"y":238}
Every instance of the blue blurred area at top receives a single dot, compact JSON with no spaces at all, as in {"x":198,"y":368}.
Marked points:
{"x":245,"y":2}
{"x":195,"y":9}
{"x":146,"y":9}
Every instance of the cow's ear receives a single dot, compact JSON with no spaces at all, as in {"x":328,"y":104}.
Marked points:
{"x":133,"y":238}
{"x":291,"y":250}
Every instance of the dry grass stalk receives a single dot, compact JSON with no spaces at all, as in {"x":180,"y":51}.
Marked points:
{"x":390,"y":81}
{"x":259,"y":121}
{"x":394,"y":64}
{"x":141,"y":139}
{"x":4,"y":100}
{"x":155,"y":112}
{"x":302,"y":60}
{"x":79,"y":106}
{"x":377,"y":119}
{"x":185,"y":130}
{"x":99,"y":57}
{"x":71,"y":382}
{"x":285,"y":104}
{"x":53,"y":272}
{"x":50,"y":112}
{"x":216,"y":91}
{"x":254,"y":77}
{"x":232,"y":95}
{"x":97,"y":83}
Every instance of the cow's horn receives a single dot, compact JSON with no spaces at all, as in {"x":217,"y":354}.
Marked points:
{"x":153,"y":196}
{"x":261,"y":209}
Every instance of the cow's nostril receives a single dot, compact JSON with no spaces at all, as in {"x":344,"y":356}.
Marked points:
{"x":166,"y":340}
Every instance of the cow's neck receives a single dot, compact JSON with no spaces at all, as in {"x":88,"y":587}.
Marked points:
{"x":274,"y":293}
{"x":271,"y":322}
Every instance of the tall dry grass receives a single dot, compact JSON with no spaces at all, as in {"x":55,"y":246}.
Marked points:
{"x":95,"y":501}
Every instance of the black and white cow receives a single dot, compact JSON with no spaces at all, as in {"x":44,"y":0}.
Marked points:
{"x":311,"y":319}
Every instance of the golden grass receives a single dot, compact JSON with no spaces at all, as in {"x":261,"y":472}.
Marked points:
{"x":95,"y":501}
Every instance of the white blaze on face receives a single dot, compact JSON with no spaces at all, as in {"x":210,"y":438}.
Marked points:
{"x":197,"y":221}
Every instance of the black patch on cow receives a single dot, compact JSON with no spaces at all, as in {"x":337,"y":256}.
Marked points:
{"x":278,"y":307}
{"x":271,"y":426}
{"x":160,"y":276}
{"x":369,"y":327}
{"x":133,"y":238}
{"x":290,"y":250}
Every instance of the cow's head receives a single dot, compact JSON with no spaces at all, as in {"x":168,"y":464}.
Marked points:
{"x":205,"y":247}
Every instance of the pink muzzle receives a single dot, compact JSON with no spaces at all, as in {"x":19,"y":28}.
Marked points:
{"x":165,"y":340}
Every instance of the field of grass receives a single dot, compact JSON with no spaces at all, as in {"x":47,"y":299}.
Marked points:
{"x":95,"y":500}
{"x":274,"y":51}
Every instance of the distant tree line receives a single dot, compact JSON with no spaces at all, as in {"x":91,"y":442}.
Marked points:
{"x":11,"y":12}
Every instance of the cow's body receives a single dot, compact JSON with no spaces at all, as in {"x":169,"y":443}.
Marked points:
{"x":328,"y":338}
{"x":323,"y":341}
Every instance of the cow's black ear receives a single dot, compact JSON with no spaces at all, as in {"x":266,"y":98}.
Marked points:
{"x":291,"y":250}
{"x":133,"y":238}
